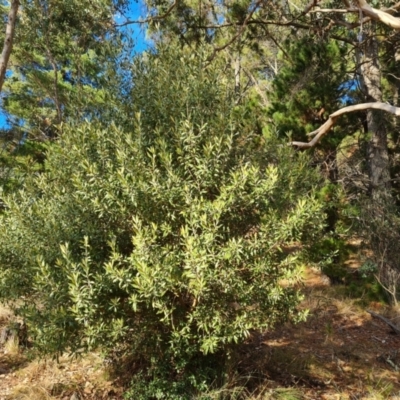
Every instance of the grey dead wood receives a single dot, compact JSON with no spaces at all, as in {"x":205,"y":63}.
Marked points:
{"x":395,"y":328}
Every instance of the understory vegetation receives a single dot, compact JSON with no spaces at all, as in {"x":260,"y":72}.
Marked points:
{"x":163,"y":210}
{"x":169,"y":241}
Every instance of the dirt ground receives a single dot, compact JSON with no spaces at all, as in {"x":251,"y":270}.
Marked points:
{"x":339,"y":352}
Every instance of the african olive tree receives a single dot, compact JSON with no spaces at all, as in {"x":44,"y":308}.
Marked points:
{"x":168,"y":238}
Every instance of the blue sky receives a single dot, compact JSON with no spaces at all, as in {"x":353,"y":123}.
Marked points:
{"x":136,"y":9}
{"x":3,"y":122}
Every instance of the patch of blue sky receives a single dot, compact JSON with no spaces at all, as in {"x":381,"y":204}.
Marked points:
{"x":3,"y":116}
{"x":348,"y":88}
{"x":3,"y":120}
{"x":137,"y":32}
{"x":135,"y":11}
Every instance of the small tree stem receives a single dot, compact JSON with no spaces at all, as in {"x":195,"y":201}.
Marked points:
{"x":8,"y":41}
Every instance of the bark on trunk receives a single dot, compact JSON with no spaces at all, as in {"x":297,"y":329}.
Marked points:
{"x":378,"y":156}
{"x":8,"y":41}
{"x":379,"y":212}
{"x":396,"y":91}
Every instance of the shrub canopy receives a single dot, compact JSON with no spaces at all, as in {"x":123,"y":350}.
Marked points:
{"x":169,"y":235}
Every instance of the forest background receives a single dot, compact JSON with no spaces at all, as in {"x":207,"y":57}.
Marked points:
{"x":159,"y":206}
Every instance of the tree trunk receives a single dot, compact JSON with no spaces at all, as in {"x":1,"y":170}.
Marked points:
{"x":378,"y":156}
{"x":332,"y":212}
{"x":380,"y":215}
{"x":8,"y":41}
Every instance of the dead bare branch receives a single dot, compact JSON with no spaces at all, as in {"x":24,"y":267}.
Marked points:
{"x":382,"y":15}
{"x":334,"y":10}
{"x":379,"y":15}
{"x":326,"y":127}
{"x":311,"y":4}
{"x":395,"y":328}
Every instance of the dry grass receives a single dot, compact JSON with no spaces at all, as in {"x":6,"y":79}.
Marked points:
{"x":283,"y":394}
{"x":21,"y":379}
{"x":238,"y":390}
{"x":32,"y":392}
{"x":49,"y":379}
{"x":5,"y":314}
{"x":340,"y":352}
{"x":12,"y":346}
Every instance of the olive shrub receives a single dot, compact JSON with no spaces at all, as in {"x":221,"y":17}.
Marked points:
{"x":167,"y":236}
